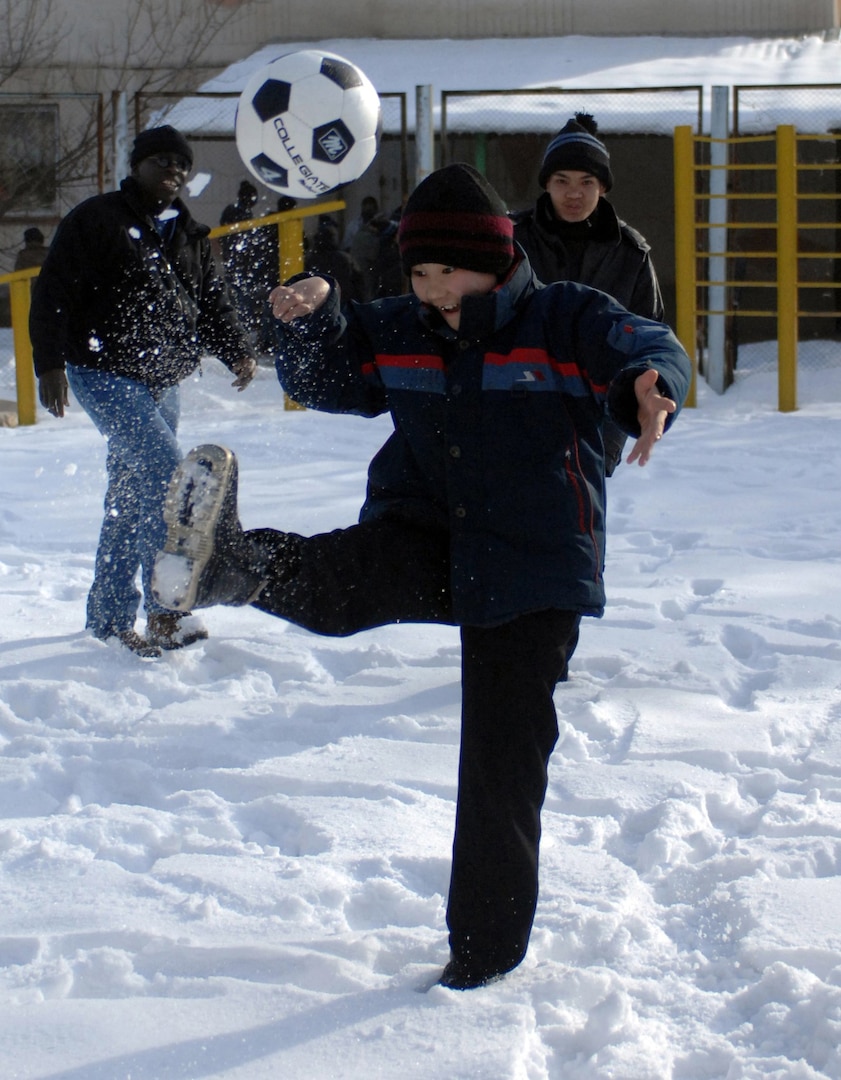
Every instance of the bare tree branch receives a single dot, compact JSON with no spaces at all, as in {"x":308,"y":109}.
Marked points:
{"x":148,"y":46}
{"x":28,"y":35}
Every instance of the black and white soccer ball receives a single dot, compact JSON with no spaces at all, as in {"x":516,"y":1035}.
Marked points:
{"x":308,"y":123}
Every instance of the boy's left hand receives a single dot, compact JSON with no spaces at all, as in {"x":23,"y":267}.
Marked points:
{"x":295,"y":301}
{"x":651,"y":414}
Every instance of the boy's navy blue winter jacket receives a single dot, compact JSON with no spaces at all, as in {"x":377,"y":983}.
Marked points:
{"x":497,"y":427}
{"x":113,"y":296}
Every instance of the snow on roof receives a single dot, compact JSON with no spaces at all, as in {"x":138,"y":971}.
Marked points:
{"x":568,"y":63}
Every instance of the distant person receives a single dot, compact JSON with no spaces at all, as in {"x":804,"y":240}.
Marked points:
{"x":572,"y":233}
{"x":368,"y":208}
{"x":34,"y":250}
{"x":388,"y":276}
{"x":243,"y":257}
{"x":365,"y":246}
{"x":266,"y":273}
{"x":243,"y":206}
{"x":127,"y":303}
{"x":325,"y":257}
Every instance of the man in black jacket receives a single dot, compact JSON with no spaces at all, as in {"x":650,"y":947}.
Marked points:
{"x":572,"y":233}
{"x":128,"y":300}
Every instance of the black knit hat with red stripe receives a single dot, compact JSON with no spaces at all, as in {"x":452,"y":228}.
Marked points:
{"x":454,"y":217}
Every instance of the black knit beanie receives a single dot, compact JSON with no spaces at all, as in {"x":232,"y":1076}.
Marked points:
{"x":454,"y":217}
{"x":160,"y":140}
{"x":576,"y":147}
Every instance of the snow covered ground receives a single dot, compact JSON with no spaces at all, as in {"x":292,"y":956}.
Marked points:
{"x":232,"y":862}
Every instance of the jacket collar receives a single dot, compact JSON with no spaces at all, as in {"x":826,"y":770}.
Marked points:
{"x":603,"y":224}
{"x":132,"y":193}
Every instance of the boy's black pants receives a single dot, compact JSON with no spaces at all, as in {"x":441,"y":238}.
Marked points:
{"x":385,"y":571}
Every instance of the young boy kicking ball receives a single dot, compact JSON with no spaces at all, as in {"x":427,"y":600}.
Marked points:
{"x":485,"y":507}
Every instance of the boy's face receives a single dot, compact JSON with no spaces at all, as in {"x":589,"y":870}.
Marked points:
{"x":442,"y":287}
{"x":574,"y":194}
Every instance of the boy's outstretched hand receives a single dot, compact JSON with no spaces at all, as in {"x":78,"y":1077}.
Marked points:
{"x":651,"y":414}
{"x":290,"y":302}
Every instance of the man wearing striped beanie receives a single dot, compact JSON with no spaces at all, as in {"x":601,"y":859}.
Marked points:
{"x":573,"y":233}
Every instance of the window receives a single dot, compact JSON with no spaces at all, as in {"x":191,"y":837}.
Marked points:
{"x":28,"y":158}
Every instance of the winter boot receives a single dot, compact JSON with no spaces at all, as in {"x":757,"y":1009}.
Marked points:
{"x":132,"y":641}
{"x":207,"y":558}
{"x":459,"y":975}
{"x":173,"y":629}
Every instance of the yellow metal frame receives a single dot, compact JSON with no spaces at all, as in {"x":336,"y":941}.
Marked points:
{"x":685,"y":274}
{"x":786,"y":269}
{"x":787,"y":284}
{"x":20,"y":291}
{"x":290,"y":239}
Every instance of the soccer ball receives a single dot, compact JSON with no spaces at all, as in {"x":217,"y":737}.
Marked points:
{"x":307,"y":123}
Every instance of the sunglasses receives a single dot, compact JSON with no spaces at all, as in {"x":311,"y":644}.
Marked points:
{"x":165,"y":161}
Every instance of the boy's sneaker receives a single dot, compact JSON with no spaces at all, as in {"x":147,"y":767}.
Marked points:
{"x":206,"y":558}
{"x":174,"y":629}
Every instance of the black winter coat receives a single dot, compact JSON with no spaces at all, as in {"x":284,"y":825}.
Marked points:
{"x":113,"y":296}
{"x":613,"y":256}
{"x":498,"y":428}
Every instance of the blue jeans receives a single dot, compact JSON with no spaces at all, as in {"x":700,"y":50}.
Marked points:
{"x":140,"y":425}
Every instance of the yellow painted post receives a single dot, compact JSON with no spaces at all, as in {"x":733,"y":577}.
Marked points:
{"x":290,"y":241}
{"x":290,"y":233}
{"x":685,"y":242}
{"x":291,"y":244}
{"x":787,"y":268}
{"x":19,"y":296}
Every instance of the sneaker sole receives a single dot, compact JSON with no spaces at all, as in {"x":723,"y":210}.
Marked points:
{"x":192,"y":507}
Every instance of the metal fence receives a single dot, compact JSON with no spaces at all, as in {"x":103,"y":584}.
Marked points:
{"x":808,"y":107}
{"x":626,"y":110}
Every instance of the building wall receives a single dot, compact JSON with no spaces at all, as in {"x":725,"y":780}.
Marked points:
{"x":530,"y":18}
{"x":120,"y":46}
{"x":92,"y":31}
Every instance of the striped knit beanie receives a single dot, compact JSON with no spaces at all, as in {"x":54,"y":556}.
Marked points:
{"x":454,"y":217}
{"x":577,"y":148}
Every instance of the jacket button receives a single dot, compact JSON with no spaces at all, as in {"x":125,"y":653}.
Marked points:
{"x":463,"y":345}
{"x":455,"y":390}
{"x":460,"y":512}
{"x":455,"y":451}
